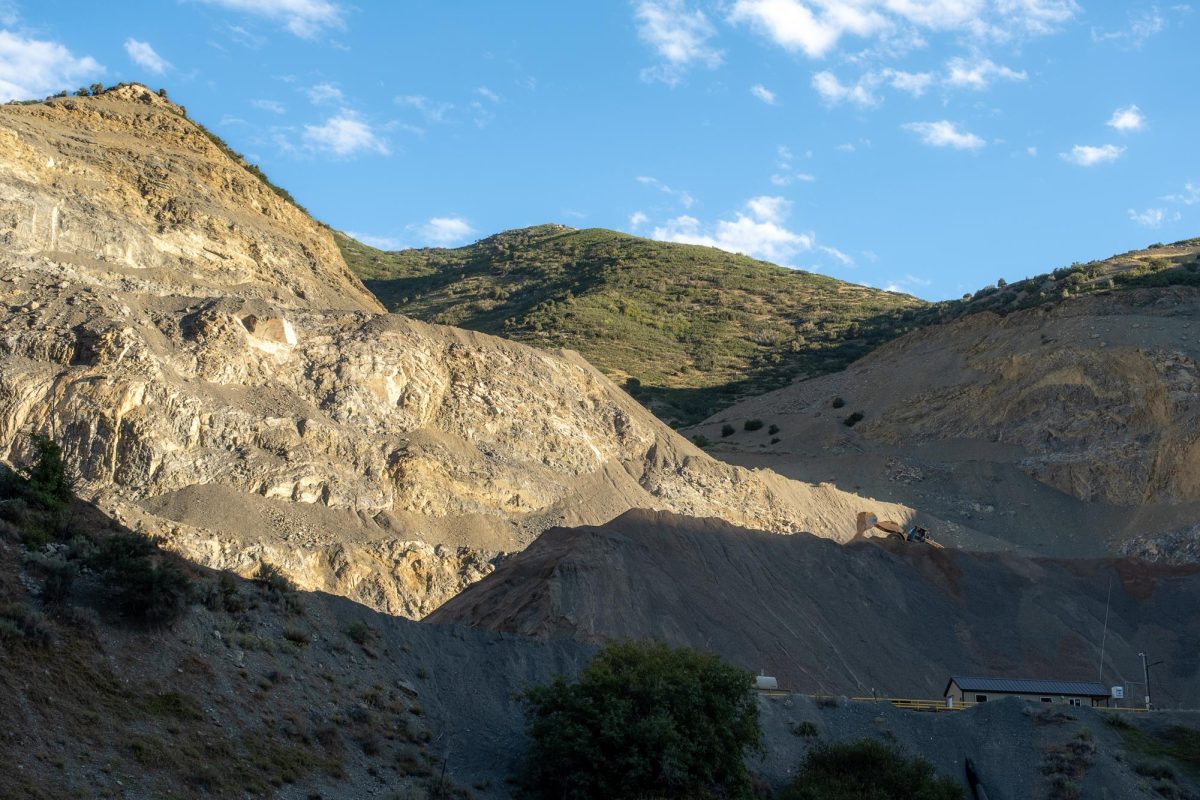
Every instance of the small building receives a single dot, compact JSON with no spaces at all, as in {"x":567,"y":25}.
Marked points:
{"x":962,"y":689}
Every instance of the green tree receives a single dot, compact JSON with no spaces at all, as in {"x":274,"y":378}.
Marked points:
{"x":643,"y":720}
{"x":867,"y":770}
{"x":47,"y":477}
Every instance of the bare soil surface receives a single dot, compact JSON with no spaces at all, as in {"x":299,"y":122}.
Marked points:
{"x":895,"y":618}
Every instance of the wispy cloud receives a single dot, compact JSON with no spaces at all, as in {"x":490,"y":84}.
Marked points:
{"x":343,"y":135}
{"x":1153,"y":217}
{"x":816,"y":28}
{"x":1143,"y":24}
{"x":1127,"y":120}
{"x":759,"y":230}
{"x":432,"y":110}
{"x":684,"y":198}
{"x":37,"y":67}
{"x":978,"y":73}
{"x":487,"y":94}
{"x":1085,"y":155}
{"x":322,"y":93}
{"x":763,"y":93}
{"x":443,"y":231}
{"x":785,"y":174}
{"x":679,"y":35}
{"x":1190,"y":195}
{"x":637,"y":219}
{"x":142,"y":54}
{"x":307,"y":19}
{"x":863,"y":93}
{"x":274,"y":106}
{"x":379,"y":242}
{"x":944,"y":133}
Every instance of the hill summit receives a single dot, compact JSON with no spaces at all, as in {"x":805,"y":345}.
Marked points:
{"x":688,"y":329}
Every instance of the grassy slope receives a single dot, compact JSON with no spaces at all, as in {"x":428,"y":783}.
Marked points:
{"x":696,"y":327}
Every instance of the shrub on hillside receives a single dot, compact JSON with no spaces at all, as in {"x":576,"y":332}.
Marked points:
{"x":753,"y":424}
{"x":727,"y":429}
{"x":146,"y":583}
{"x":867,"y":769}
{"x":643,"y":720}
{"x":853,"y":419}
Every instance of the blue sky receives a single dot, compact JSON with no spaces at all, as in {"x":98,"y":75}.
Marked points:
{"x":930,"y":146}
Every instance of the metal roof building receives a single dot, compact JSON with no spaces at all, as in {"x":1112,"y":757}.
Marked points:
{"x":979,"y":690}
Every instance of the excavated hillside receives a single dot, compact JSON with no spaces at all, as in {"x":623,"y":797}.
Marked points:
{"x":218,"y":377}
{"x":1070,"y":428}
{"x":874,"y":615}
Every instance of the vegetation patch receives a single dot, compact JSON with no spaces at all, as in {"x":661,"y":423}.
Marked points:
{"x":643,"y":720}
{"x":867,"y":768}
{"x":687,"y":330}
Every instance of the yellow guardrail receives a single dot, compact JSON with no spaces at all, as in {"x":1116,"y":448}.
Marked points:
{"x":915,"y":704}
{"x":912,"y":704}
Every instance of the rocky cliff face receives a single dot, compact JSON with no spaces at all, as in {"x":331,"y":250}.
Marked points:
{"x":218,"y":377}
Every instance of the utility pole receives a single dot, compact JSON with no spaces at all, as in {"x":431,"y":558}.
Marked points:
{"x":1146,"y":674}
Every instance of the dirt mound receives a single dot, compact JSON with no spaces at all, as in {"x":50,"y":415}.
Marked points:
{"x":1064,"y":429}
{"x":822,"y":617}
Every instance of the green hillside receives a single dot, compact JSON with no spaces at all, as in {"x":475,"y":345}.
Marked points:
{"x":687,"y":329}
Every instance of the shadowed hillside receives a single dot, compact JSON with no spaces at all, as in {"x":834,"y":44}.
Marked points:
{"x":830,"y":618}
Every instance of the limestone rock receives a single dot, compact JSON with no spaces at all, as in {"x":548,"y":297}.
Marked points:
{"x":218,"y":377}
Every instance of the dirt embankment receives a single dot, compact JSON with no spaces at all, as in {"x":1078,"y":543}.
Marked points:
{"x":824,"y":617}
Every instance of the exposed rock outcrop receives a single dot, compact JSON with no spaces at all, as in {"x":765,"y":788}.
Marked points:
{"x":218,"y":377}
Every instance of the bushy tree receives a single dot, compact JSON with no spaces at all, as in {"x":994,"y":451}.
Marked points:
{"x":48,"y":483}
{"x":867,"y":770}
{"x":643,"y":721}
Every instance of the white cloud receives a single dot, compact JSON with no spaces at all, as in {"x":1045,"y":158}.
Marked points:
{"x":815,"y":27}
{"x":758,"y":230}
{"x":1189,"y":197}
{"x":487,"y":94}
{"x":379,"y":242}
{"x":684,"y":198}
{"x":834,"y":92}
{"x":763,"y":93}
{"x":1142,"y":25}
{"x":274,"y":106}
{"x":304,"y":18}
{"x":1127,"y":120}
{"x":345,"y":134}
{"x":323,"y":93}
{"x":142,"y":54}
{"x":915,"y":83}
{"x":430,"y":109}
{"x":1031,"y":152}
{"x":944,"y":133}
{"x":8,"y":12}
{"x":443,"y":231}
{"x":907,"y":284}
{"x":1153,"y":217}
{"x":1089,"y":156}
{"x":837,"y":255}
{"x":978,"y":74}
{"x":795,"y":27}
{"x":786,"y":179}
{"x":638,"y":219}
{"x":35,"y":68}
{"x":679,"y":35}
{"x":863,"y":93}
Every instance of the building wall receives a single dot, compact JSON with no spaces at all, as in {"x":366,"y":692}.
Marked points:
{"x":961,"y":696}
